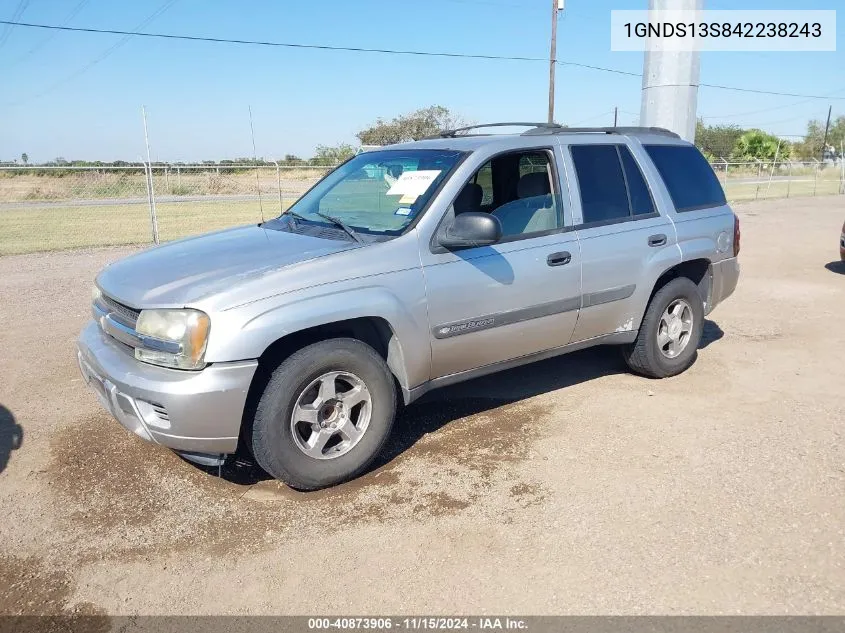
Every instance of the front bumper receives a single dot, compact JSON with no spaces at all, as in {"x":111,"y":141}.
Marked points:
{"x":188,"y":411}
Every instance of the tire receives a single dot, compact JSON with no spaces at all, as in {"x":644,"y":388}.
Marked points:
{"x":644,"y":356}
{"x":279,"y":443}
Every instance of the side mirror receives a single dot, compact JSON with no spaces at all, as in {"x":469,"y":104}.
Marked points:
{"x":471,"y":228}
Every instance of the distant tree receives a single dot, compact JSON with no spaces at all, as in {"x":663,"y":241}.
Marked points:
{"x":716,"y":141}
{"x":25,"y":158}
{"x":410,"y":127}
{"x":61,"y":160}
{"x":760,"y":145}
{"x":292,"y":159}
{"x":326,"y":155}
{"x":811,"y":147}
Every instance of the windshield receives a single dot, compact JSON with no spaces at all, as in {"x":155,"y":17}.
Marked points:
{"x":377,"y":192}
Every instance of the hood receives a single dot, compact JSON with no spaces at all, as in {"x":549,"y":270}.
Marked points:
{"x":182,"y":272}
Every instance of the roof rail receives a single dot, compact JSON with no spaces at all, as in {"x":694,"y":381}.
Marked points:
{"x":536,"y":126}
{"x":660,"y":131}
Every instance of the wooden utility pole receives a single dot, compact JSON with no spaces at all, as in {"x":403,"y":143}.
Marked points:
{"x":615,"y":115}
{"x":826,"y":131}
{"x":557,"y":5}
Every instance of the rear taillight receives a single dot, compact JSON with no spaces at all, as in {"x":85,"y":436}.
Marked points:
{"x":736,"y":235}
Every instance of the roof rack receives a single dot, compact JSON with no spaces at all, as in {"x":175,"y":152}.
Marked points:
{"x":535,"y":126}
{"x":546,"y":129}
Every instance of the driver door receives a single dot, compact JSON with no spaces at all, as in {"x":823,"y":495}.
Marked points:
{"x":519,"y":296}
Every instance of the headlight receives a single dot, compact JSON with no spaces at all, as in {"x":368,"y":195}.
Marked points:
{"x":173,"y":338}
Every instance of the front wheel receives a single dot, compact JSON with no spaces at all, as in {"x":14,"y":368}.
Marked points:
{"x":325,"y":414}
{"x":667,"y":343}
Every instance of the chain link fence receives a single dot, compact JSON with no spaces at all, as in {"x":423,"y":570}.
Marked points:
{"x":53,"y":208}
{"x":784,"y":179}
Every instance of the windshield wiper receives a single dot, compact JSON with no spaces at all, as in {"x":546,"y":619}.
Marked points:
{"x":342,"y":225}
{"x":295,"y":216}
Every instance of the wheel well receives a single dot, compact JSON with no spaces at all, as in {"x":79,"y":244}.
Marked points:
{"x":696,"y":270}
{"x":374,"y":331}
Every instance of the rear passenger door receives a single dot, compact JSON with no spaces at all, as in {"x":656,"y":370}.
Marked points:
{"x":621,"y":233}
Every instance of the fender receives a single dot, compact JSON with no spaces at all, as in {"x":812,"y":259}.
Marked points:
{"x":249,"y":330}
{"x":699,"y":248}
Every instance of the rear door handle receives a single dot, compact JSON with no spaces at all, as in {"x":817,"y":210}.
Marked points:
{"x":559,"y":259}
{"x":657,"y":240}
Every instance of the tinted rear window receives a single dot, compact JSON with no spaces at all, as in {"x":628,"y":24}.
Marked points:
{"x":688,"y":177}
{"x":602,"y":185}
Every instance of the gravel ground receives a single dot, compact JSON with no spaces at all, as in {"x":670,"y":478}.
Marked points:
{"x":567,"y":486}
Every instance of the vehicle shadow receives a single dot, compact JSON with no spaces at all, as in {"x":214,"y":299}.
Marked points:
{"x":11,"y":436}
{"x":837,"y":266}
{"x":438,"y":408}
{"x":710,"y":333}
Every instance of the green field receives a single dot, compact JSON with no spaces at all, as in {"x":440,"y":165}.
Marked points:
{"x":47,"y":228}
{"x":29,"y":229}
{"x":739,"y":191}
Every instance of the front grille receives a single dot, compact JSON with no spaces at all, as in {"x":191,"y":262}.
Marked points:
{"x":126,"y":315}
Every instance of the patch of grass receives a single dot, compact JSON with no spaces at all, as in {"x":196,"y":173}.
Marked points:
{"x":779,"y":189}
{"x":50,"y":228}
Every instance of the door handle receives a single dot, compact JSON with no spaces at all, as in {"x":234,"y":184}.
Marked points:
{"x":657,"y":240}
{"x":559,"y":259}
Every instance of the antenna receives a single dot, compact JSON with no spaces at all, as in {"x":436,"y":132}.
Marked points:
{"x":255,"y":158}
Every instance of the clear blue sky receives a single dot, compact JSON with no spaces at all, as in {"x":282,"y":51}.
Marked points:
{"x":197,"y":93}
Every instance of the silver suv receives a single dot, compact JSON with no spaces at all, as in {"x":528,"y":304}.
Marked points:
{"x":405,"y":269}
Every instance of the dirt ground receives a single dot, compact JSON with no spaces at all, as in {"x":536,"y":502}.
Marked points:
{"x":567,"y":486}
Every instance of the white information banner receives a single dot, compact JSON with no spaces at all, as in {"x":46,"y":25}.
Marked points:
{"x":728,"y":30}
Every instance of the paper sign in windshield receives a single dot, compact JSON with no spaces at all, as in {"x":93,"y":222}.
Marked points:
{"x":412,"y":184}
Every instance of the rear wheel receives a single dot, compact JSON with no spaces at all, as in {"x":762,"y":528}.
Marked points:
{"x":325,"y":414}
{"x":669,"y":335}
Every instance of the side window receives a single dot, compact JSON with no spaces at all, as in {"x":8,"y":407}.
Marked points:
{"x":534,"y":207}
{"x":527,"y":202}
{"x":688,"y":177}
{"x":641,"y":202}
{"x":533,"y":163}
{"x":601,"y":182}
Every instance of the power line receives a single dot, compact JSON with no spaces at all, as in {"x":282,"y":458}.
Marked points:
{"x":780,"y":107}
{"x":164,"y":7}
{"x":769,"y":92}
{"x":73,"y":13}
{"x":220,"y":40}
{"x":22,"y":5}
{"x":601,"y":68}
{"x":390,"y":51}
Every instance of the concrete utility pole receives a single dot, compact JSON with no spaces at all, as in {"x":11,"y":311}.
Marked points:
{"x":557,"y":5}
{"x":670,"y":81}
